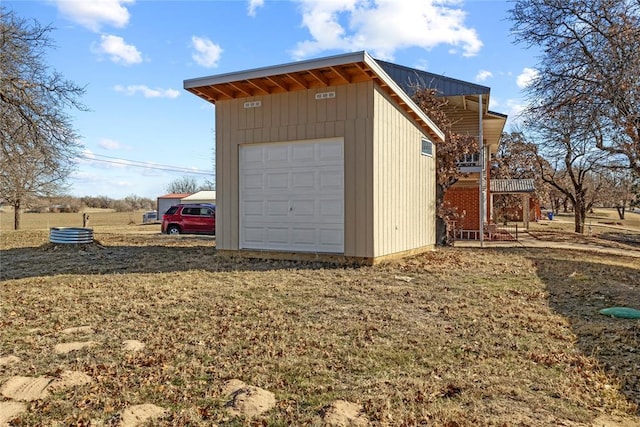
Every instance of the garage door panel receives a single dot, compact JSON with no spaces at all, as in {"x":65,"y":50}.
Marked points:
{"x":252,"y":158}
{"x":331,"y":209}
{"x":277,"y":234}
{"x":253,"y":181}
{"x":254,"y":208}
{"x":330,"y":179}
{"x":254,"y":235}
{"x":303,"y":153}
{"x":303,"y":208}
{"x":297,"y":204}
{"x":304,"y":180}
{"x":277,"y":208}
{"x":276,"y":154}
{"x":303,"y":235}
{"x":277,"y":181}
{"x":330,"y":236}
{"x":331,"y":151}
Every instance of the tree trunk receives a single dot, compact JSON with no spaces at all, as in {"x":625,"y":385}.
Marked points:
{"x":442,"y":238}
{"x":16,"y":215}
{"x":579,"y":215}
{"x":620,"y":210}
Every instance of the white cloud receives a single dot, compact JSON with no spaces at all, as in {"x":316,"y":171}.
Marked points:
{"x":253,"y":5}
{"x":147,"y":92}
{"x":110,"y":144}
{"x":207,"y":53}
{"x":118,"y":51}
{"x":483,"y":75}
{"x":384,"y":26}
{"x":93,"y":14}
{"x":526,"y":77}
{"x":515,"y":108}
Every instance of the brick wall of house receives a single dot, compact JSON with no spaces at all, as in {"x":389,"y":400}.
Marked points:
{"x":516,"y":213}
{"x":466,"y":199}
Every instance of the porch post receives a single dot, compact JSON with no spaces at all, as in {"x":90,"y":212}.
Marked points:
{"x":525,"y":210}
{"x":482,"y":200}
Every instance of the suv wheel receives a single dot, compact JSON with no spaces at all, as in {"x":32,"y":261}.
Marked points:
{"x":173,"y":229}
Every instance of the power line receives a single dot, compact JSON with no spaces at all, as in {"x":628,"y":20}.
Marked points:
{"x":139,"y":164}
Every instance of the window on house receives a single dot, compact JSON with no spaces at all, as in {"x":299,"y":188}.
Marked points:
{"x":427,"y":147}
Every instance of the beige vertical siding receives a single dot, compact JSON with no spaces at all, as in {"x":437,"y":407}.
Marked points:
{"x":296,"y":116}
{"x":404,"y":182}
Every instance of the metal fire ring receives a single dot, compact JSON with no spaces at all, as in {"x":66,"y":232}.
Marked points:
{"x":71,"y":235}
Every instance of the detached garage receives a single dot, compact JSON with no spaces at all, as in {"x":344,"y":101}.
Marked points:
{"x":324,"y":158}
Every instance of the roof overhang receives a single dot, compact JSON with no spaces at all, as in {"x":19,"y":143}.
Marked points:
{"x":492,"y":127}
{"x":304,"y":75}
{"x":512,"y":186}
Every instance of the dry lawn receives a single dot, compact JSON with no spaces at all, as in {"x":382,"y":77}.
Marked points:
{"x":457,"y":337}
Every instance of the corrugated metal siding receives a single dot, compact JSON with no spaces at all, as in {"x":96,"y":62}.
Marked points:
{"x":297,"y":116}
{"x":404,"y":182}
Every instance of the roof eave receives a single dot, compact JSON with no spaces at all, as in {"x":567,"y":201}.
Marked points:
{"x":192,"y":85}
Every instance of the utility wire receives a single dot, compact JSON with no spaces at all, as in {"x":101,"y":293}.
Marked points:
{"x":139,"y":164}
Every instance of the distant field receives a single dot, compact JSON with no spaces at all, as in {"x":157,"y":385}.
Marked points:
{"x":98,"y":218}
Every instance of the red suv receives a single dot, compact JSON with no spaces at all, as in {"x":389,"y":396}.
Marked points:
{"x":192,"y":218}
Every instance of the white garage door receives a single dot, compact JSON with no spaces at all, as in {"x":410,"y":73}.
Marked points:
{"x":292,"y":196}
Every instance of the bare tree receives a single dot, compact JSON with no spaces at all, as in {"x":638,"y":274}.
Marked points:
{"x":185,"y":184}
{"x":590,"y":57}
{"x":38,"y":144}
{"x":567,"y":158}
{"x":448,"y":154}
{"x":618,"y":191}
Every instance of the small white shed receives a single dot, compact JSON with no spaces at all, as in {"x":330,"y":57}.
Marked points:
{"x":168,"y":200}
{"x":204,"y":196}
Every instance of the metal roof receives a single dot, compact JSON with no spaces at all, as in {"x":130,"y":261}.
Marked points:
{"x":461,"y":95}
{"x":506,"y":186}
{"x":410,"y":78}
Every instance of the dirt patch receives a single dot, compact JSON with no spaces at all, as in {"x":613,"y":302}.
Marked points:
{"x":9,"y":410}
{"x":132,"y":346}
{"x":7,"y":360}
{"x":140,"y":414}
{"x":247,"y":401}
{"x":86,"y":330}
{"x":68,"y":347}
{"x":345,"y":414}
{"x":70,"y":379}
{"x":26,"y":389}
{"x":613,"y":421}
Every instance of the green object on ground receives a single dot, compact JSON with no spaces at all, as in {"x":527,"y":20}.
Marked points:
{"x":621,"y":312}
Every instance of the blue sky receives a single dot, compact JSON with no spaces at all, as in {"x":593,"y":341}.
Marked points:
{"x":144,"y":131}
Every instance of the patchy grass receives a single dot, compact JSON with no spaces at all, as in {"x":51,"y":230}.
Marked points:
{"x":457,"y":337}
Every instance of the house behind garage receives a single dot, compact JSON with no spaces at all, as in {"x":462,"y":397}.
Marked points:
{"x":328,"y":156}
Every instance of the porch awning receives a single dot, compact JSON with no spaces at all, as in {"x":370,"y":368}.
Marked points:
{"x":511,"y":186}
